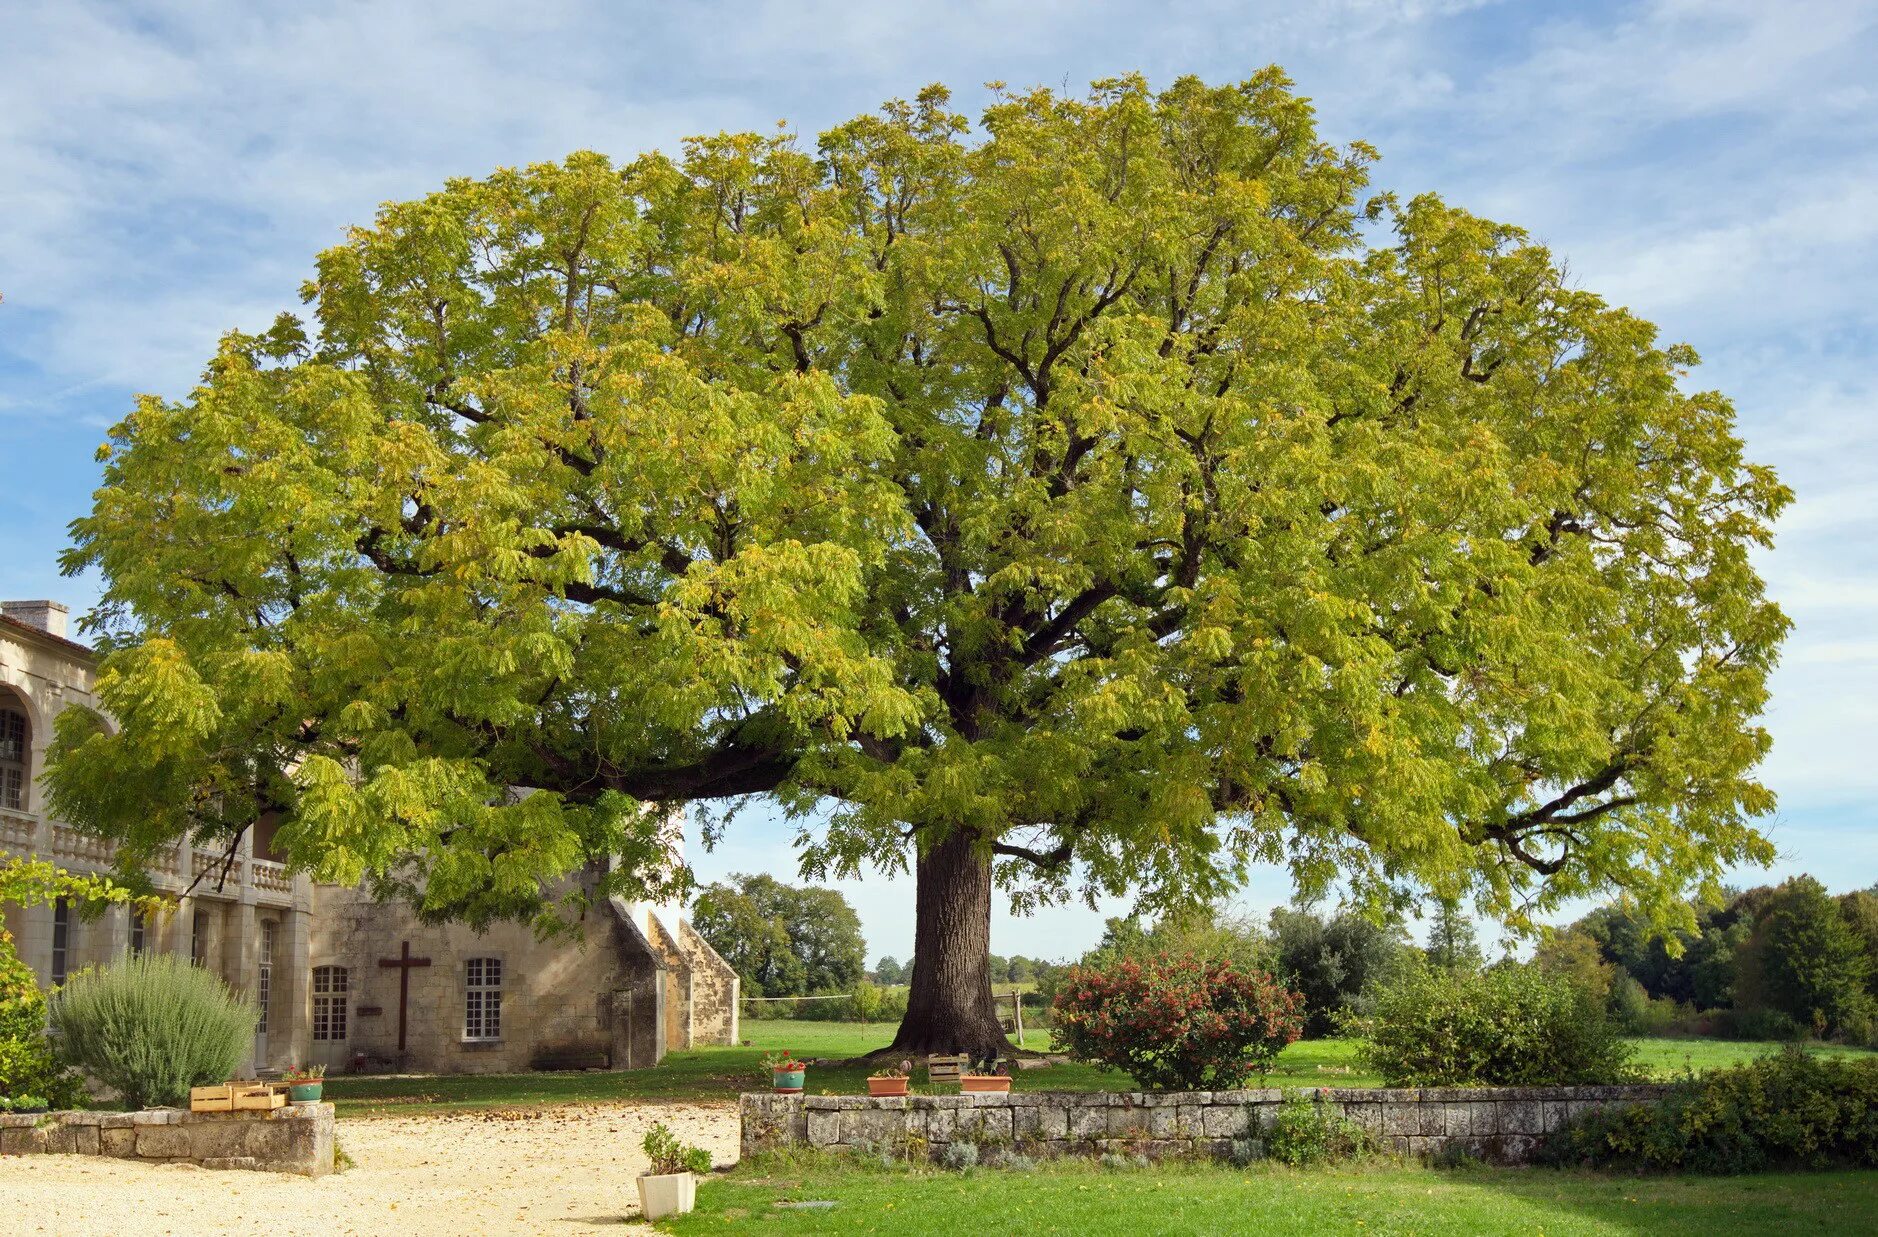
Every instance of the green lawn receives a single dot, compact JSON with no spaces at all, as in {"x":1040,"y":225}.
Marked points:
{"x":722,"y":1073}
{"x":1080,"y":1197}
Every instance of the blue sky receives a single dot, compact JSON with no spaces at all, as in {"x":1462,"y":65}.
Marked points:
{"x":168,"y":173}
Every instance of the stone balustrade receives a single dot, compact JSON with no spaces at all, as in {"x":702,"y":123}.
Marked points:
{"x":295,"y":1139}
{"x":1501,"y":1124}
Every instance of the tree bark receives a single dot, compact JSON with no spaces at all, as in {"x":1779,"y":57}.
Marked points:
{"x":949,"y":1007}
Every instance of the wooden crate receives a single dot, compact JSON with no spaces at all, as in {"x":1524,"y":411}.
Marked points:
{"x":260,"y":1095}
{"x":219,"y":1097}
{"x":222,"y":1096}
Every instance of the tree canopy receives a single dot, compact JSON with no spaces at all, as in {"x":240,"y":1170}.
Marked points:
{"x":782,"y":940}
{"x":1118,"y":491}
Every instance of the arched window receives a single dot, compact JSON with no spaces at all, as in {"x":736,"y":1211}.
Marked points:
{"x":482,"y":1003}
{"x":330,"y":985}
{"x":15,"y":751}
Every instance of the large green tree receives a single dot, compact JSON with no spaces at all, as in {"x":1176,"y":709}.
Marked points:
{"x":1104,"y":498}
{"x":783,"y":940}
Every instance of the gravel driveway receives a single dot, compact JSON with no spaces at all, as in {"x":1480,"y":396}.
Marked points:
{"x":564,"y":1170}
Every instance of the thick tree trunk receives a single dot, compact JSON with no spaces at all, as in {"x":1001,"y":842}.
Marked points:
{"x":949,"y":1007}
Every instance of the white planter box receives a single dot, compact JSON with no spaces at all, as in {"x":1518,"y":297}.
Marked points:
{"x":673,"y":1194}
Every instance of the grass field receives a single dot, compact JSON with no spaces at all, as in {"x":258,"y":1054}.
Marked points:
{"x":722,"y":1073}
{"x":1079,"y":1197}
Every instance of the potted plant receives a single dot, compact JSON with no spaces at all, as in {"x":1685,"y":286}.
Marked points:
{"x":304,"y":1083}
{"x":29,"y":1103}
{"x":889,"y":1081}
{"x":669,"y":1186}
{"x":786,"y":1073}
{"x":986,"y":1075}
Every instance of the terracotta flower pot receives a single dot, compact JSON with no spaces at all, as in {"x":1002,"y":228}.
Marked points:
{"x":886,"y":1086}
{"x":788,"y":1081}
{"x":984,"y":1082}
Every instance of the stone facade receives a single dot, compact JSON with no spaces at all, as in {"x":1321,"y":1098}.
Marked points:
{"x":636,"y":982}
{"x":1501,"y":1124}
{"x":295,"y":1139}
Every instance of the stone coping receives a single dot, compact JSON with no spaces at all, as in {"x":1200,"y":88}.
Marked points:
{"x":1262,"y":1095}
{"x":295,"y":1138}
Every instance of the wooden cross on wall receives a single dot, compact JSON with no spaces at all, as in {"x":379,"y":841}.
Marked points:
{"x":404,"y":962}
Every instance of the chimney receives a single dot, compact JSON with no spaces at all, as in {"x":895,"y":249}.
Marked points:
{"x":47,"y":616}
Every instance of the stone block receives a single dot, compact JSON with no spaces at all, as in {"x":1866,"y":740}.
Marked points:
{"x":1026,"y":1123}
{"x":1128,"y":1122}
{"x":119,"y":1141}
{"x":824,"y":1128}
{"x":162,"y":1142}
{"x":18,"y":1120}
{"x":157,"y":1116}
{"x":22,"y":1140}
{"x":940,"y":1122}
{"x":1399,"y":1118}
{"x":115,"y":1120}
{"x":1223,"y":1121}
{"x":62,"y":1139}
{"x":1053,"y":1122}
{"x":1088,"y":1123}
{"x":231,"y":1162}
{"x":1521,"y":1117}
{"x":1457,"y":1119}
{"x":1483,"y":1119}
{"x":84,"y":1139}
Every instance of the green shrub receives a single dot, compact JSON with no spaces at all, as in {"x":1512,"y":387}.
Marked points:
{"x":1509,"y":1026}
{"x":27,"y":1063}
{"x":1176,"y":1022}
{"x":1789,"y":1110}
{"x":1757,"y":1023}
{"x":152,"y":1026}
{"x":1305,"y":1132}
{"x":666,"y":1155}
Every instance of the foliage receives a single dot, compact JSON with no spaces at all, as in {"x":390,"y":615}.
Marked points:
{"x":28,"y":1064}
{"x":666,"y":1155}
{"x":780,"y":939}
{"x":1333,"y":961}
{"x":1788,"y":1110}
{"x":1451,"y":942}
{"x":1305,"y":1132}
{"x":960,"y":1155}
{"x":151,"y":1026}
{"x":301,"y":1074}
{"x":1574,"y":956}
{"x":1176,"y":1022}
{"x":1815,"y":967}
{"x":1508,"y":1026}
{"x":1219,"y":513}
{"x":889,"y":971}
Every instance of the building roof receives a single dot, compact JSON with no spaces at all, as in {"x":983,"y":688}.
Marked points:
{"x":12,"y":625}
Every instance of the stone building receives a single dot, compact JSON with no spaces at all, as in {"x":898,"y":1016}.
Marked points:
{"x":343,"y":979}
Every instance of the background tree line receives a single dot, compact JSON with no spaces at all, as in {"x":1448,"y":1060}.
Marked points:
{"x":1772,"y":962}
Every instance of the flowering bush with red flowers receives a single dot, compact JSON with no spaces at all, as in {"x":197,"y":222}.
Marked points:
{"x":1177,"y":1023}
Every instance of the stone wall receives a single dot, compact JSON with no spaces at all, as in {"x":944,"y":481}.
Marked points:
{"x":1501,"y":1124}
{"x":295,"y":1139}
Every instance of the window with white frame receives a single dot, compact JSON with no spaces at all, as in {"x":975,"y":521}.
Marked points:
{"x":330,"y":986}
{"x":13,"y":754}
{"x":264,"y":977}
{"x":482,"y":1003}
{"x":61,"y":940}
